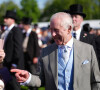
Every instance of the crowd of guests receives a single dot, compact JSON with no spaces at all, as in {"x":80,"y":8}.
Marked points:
{"x":26,"y":45}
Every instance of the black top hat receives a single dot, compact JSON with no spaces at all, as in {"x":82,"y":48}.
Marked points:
{"x":77,"y":9}
{"x":66,"y":11}
{"x":86,"y":27}
{"x":10,"y":14}
{"x":26,"y":20}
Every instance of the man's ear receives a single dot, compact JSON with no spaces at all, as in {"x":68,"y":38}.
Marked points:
{"x":69,"y":29}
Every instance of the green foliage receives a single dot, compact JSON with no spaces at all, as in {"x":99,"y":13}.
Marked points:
{"x":7,"y":6}
{"x":30,"y":9}
{"x":91,"y":8}
{"x":54,"y":7}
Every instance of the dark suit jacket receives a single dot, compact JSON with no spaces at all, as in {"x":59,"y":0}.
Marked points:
{"x":33,"y":50}
{"x":86,"y":76}
{"x":13,"y":49}
{"x":87,"y":38}
{"x":98,"y":49}
{"x":33,"y":47}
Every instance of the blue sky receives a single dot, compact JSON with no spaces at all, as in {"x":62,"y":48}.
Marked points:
{"x":41,"y":3}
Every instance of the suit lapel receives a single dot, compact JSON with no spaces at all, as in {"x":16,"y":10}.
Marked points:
{"x":10,"y":33}
{"x":83,"y":36}
{"x":8,"y":37}
{"x":77,"y":61}
{"x":53,"y":64}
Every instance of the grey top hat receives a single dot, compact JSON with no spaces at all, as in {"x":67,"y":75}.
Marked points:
{"x":77,"y":9}
{"x":10,"y":14}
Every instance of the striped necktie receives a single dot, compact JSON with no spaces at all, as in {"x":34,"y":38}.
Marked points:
{"x":65,"y":54}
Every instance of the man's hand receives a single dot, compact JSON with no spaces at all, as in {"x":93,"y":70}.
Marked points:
{"x":1,"y":85}
{"x":2,"y":55}
{"x":35,"y":60}
{"x":21,"y":75}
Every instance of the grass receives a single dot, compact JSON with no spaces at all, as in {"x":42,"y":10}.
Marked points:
{"x":26,"y":88}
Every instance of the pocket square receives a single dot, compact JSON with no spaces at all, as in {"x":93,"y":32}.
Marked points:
{"x":85,"y":62}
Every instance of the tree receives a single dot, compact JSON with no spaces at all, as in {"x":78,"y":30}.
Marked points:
{"x":30,"y":9}
{"x":7,"y":6}
{"x":91,"y":8}
{"x":53,"y":7}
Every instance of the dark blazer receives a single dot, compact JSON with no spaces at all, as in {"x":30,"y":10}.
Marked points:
{"x":98,"y":49}
{"x":86,"y":75}
{"x":33,"y":47}
{"x":13,"y":49}
{"x":87,"y":38}
{"x":33,"y":50}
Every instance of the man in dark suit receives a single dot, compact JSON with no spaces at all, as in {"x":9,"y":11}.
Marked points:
{"x":98,"y":48}
{"x":67,"y":64}
{"x":76,"y":11}
{"x":13,"y":48}
{"x":30,"y":47}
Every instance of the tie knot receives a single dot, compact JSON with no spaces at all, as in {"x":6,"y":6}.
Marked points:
{"x":74,"y":35}
{"x":65,"y":52}
{"x":64,"y":48}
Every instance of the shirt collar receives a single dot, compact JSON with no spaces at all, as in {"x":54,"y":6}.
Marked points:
{"x":9,"y":28}
{"x":69,"y":44}
{"x":29,"y":31}
{"x":77,"y":31}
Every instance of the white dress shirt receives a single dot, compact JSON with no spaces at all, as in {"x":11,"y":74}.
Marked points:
{"x":26,"y":39}
{"x":65,"y":50}
{"x":5,"y":34}
{"x":78,"y":32}
{"x":28,"y":32}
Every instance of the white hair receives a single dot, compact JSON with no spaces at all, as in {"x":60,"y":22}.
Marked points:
{"x":66,"y":19}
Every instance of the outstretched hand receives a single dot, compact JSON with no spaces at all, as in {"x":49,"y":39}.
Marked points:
{"x":21,"y":75}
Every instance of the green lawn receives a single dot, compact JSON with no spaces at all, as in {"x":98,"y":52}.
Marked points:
{"x":26,"y":88}
{"x":42,"y":88}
